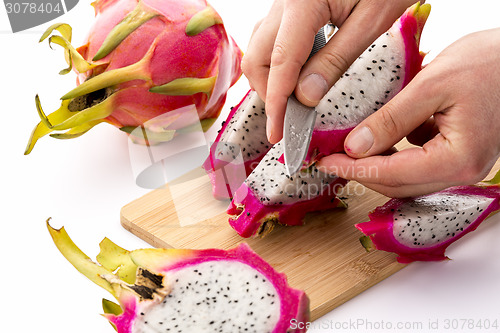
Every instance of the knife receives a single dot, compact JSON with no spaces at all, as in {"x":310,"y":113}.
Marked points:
{"x":300,"y":119}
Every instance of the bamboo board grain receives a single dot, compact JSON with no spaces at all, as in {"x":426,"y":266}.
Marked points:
{"x":322,"y":257}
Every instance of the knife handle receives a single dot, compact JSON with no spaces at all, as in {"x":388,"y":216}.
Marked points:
{"x":320,"y":40}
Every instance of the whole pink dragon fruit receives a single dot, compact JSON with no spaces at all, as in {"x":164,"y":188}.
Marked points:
{"x":143,"y":64}
{"x":269,"y":196}
{"x":172,"y":290}
{"x":421,"y":228}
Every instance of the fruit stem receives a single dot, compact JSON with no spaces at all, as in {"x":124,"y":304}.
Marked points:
{"x":78,"y":118}
{"x":77,"y":130}
{"x":41,"y":128}
{"x":78,"y":122}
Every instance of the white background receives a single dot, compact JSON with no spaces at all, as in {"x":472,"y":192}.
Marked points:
{"x":83,"y":183}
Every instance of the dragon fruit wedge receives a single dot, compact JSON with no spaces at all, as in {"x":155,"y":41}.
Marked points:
{"x":269,"y":196}
{"x":143,"y":64}
{"x":378,"y":75}
{"x":422,"y":228}
{"x":240,"y":145}
{"x":172,"y":290}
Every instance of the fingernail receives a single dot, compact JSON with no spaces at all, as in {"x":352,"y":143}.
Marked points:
{"x":313,"y":87}
{"x":269,"y":124}
{"x":360,"y":141}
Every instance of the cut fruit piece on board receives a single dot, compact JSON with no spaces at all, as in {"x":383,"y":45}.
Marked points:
{"x":324,"y":257}
{"x":422,"y":227}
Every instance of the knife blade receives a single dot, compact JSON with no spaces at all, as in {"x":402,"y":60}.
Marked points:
{"x":299,"y":122}
{"x":297,"y":132}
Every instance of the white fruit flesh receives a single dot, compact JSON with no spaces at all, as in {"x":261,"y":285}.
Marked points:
{"x":246,"y":131}
{"x":436,"y":218}
{"x":372,"y":80}
{"x":213,"y":296}
{"x":272,"y":185}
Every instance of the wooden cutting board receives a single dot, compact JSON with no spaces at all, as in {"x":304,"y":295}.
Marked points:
{"x":323,"y":257}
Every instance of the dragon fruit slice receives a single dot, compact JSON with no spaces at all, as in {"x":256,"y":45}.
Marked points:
{"x":144,"y":59}
{"x":171,"y":290}
{"x":240,"y":145}
{"x":378,"y":75}
{"x":421,"y":228}
{"x":269,"y":196}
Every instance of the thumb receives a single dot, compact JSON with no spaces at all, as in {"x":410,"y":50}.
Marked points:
{"x":394,"y":121}
{"x":356,"y":32}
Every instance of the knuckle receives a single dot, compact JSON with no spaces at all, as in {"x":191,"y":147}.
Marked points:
{"x":334,"y":63}
{"x":388,"y":178}
{"x":257,"y":25}
{"x":389,"y":181}
{"x":387,"y":122}
{"x":284,"y":64}
{"x":340,"y":10}
{"x":247,"y":65}
{"x":434,"y":77}
{"x":471,"y":172}
{"x":278,"y":55}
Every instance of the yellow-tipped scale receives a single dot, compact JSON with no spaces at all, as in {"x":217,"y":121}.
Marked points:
{"x":80,"y":260}
{"x":186,"y":86}
{"x":140,"y":15}
{"x":202,"y":20}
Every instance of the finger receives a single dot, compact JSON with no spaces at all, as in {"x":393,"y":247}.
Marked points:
{"x":395,"y":120}
{"x":247,"y":64}
{"x":358,"y":31}
{"x":257,"y":59}
{"x":301,"y":21}
{"x":407,"y":190}
{"x":412,"y":166}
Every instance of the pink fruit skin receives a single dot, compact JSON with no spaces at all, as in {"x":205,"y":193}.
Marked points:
{"x":176,"y":55}
{"x":248,"y":213}
{"x":380,"y":226}
{"x":294,"y":303}
{"x":323,"y":142}
{"x":226,"y":177}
